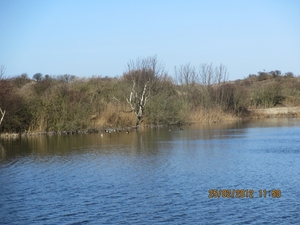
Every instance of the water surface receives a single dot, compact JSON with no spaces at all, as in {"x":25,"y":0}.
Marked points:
{"x":154,"y":176}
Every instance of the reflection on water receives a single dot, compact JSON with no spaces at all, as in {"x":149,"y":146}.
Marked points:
{"x":156,"y":175}
{"x":146,"y":140}
{"x":143,"y":141}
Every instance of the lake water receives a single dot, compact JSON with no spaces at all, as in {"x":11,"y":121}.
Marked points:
{"x":156,"y":176}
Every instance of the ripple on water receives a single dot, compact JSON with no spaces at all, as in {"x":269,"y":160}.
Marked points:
{"x":156,"y":181}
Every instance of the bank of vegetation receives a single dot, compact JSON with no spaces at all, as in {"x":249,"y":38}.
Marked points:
{"x":144,"y":95}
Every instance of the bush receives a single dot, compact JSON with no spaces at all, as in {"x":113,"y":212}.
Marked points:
{"x":202,"y":93}
{"x":17,"y":117}
{"x":267,"y":95}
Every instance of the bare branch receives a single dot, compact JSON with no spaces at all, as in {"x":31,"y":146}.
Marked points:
{"x":130,"y":97}
{"x":116,"y":99}
{"x":2,"y":71}
{"x":3,"y":113}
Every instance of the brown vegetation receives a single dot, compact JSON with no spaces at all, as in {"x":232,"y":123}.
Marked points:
{"x":145,"y":94}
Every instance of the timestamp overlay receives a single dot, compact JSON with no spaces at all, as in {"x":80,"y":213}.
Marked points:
{"x":244,"y":193}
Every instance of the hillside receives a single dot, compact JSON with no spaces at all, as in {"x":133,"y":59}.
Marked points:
{"x":144,"y":95}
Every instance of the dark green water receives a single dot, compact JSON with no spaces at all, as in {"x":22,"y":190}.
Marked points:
{"x":155,"y":176}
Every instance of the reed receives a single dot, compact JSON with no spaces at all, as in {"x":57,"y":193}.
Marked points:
{"x":114,"y":115}
{"x":201,"y":115}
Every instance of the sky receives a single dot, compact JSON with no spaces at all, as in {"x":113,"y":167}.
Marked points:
{"x":98,"y":38}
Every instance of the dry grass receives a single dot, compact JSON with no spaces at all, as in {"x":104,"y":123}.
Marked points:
{"x":115,"y":116}
{"x":210,"y":116}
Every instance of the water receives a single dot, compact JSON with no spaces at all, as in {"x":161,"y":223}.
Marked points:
{"x":155,"y":176}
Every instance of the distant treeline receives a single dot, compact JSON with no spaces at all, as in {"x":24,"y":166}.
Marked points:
{"x":195,"y":94}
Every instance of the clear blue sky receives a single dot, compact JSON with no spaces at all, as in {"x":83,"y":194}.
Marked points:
{"x":95,"y":37}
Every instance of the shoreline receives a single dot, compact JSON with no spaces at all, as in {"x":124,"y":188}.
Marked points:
{"x":276,"y":112}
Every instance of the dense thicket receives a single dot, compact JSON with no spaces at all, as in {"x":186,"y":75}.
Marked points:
{"x":196,"y":93}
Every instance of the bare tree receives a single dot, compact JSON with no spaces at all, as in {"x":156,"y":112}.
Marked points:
{"x":186,"y":76}
{"x":137,"y":103}
{"x":146,"y":75}
{"x":221,"y":74}
{"x":144,"y":70}
{"x":206,"y":74}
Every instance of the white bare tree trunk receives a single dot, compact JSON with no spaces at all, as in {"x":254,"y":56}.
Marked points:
{"x":137,"y":104}
{"x":2,"y":115}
